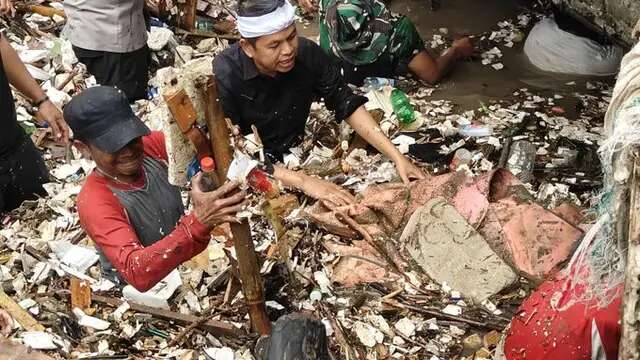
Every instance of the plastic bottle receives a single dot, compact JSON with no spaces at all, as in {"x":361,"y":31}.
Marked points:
{"x":209,"y":178}
{"x":376,"y":83}
{"x":461,"y":157}
{"x":203,"y":24}
{"x":260,"y":181}
{"x":475,"y":130}
{"x":402,"y":107}
{"x":522,"y":157}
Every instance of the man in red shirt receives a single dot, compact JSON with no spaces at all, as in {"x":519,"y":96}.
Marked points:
{"x":127,"y":205}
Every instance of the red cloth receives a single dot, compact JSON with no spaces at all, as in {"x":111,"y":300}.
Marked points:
{"x":550,"y":325}
{"x":105,"y":221}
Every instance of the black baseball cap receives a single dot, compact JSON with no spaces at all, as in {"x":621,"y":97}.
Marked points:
{"x":101,"y":116}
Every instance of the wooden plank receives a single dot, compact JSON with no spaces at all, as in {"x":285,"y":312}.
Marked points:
{"x":19,"y":314}
{"x":630,"y":340}
{"x":215,"y":327}
{"x":182,"y":109}
{"x":185,"y":115}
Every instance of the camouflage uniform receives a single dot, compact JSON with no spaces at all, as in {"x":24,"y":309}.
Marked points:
{"x":362,"y":32}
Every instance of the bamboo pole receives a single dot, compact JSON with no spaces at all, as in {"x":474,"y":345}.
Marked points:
{"x":630,"y":340}
{"x":248,"y":264}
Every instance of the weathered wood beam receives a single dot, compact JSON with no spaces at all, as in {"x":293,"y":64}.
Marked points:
{"x":630,"y":341}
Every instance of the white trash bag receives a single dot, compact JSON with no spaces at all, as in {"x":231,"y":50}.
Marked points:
{"x":552,"y":49}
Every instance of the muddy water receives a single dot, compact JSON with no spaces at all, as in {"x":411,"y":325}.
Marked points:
{"x":471,"y":82}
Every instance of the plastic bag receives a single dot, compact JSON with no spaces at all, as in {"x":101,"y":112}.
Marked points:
{"x":552,"y":49}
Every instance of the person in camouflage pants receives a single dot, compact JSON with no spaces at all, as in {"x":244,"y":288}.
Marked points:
{"x":367,"y":39}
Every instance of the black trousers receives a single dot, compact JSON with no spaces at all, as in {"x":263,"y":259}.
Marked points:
{"x":22,"y":173}
{"x":128,"y":72}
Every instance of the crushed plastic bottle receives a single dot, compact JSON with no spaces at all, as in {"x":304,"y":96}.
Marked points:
{"x":402,"y":107}
{"x":376,"y":83}
{"x":522,"y":157}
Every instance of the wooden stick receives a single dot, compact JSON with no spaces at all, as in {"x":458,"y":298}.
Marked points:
{"x":203,"y":319}
{"x":248,"y":264}
{"x":440,"y":315}
{"x":215,"y":327}
{"x":395,"y":264}
{"x":41,"y":10}
{"x":17,"y":312}
{"x":64,"y":83}
{"x":207,"y":34}
{"x":346,"y":346}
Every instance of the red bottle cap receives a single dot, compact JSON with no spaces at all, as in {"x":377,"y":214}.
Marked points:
{"x":207,"y":164}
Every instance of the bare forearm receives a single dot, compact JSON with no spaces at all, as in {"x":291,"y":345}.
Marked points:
{"x":17,"y":73}
{"x":364,"y":125}
{"x":314,"y":187}
{"x":288,"y":178}
{"x":445,"y":63}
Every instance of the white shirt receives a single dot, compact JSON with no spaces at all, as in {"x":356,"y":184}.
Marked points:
{"x":106,"y":25}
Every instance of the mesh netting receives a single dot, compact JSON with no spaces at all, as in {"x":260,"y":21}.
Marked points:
{"x":598,"y":265}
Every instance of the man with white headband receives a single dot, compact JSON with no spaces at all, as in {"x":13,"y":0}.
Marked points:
{"x":270,"y":78}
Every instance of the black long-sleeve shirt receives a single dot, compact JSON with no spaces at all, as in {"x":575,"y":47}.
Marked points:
{"x":279,"y":106}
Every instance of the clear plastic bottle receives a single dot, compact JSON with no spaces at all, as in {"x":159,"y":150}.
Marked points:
{"x":209,"y":179}
{"x":375,"y":83}
{"x":475,"y":130}
{"x":402,"y":107}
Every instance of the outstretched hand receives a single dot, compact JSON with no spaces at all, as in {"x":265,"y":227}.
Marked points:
{"x":216,"y":207}
{"x":48,"y":112}
{"x":326,"y":191}
{"x":408,"y":171}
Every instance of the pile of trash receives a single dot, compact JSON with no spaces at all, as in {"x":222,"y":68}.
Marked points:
{"x":433,"y":270}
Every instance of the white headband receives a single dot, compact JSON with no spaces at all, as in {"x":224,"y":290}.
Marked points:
{"x":267,"y":24}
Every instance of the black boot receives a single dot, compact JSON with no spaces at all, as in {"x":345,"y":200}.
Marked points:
{"x":294,"y":337}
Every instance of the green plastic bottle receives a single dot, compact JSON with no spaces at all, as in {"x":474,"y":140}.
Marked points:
{"x":402,"y":107}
